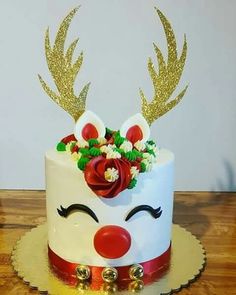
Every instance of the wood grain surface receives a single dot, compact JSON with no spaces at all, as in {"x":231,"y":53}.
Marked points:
{"x":209,"y":216}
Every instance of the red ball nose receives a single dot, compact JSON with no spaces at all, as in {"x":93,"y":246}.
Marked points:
{"x":112,"y":241}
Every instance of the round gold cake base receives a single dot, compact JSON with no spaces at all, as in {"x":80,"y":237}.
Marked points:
{"x":30,"y":261}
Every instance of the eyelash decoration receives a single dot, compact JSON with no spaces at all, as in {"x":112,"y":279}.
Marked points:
{"x":156,"y":213}
{"x":65,"y":212}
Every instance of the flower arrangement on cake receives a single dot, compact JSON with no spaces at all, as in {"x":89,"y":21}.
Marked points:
{"x":111,"y":160}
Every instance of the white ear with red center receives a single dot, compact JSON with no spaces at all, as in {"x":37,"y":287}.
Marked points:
{"x":89,"y":126}
{"x":135,"y":129}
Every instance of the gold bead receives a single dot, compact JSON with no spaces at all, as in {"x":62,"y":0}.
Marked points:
{"x":109,"y":288}
{"x":109,"y":274}
{"x":82,"y":287}
{"x":136,"y":272}
{"x":136,"y":286}
{"x":83,"y":272}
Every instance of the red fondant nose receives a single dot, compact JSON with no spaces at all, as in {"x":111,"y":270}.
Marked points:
{"x":112,"y":241}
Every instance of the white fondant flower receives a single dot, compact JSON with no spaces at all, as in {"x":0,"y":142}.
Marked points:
{"x":107,"y":148}
{"x":113,"y":155}
{"x":151,"y":158}
{"x":76,"y":156}
{"x":134,"y":172}
{"x":102,"y":140}
{"x":126,"y":146}
{"x":112,"y":146}
{"x":104,"y":149}
{"x":146,"y":156}
{"x":111,"y":174}
{"x":81,"y":143}
{"x":139,"y":145}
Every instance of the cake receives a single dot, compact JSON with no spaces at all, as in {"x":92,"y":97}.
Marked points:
{"x":110,"y":193}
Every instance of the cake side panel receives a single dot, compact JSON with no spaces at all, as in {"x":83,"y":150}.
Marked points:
{"x":72,"y":238}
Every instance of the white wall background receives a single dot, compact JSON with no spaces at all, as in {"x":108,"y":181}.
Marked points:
{"x":117,"y":36}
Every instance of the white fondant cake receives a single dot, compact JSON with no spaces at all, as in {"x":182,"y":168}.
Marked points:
{"x":72,"y":238}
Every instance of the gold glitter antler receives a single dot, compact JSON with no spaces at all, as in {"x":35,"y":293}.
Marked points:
{"x":64,"y":71}
{"x":167,"y":78}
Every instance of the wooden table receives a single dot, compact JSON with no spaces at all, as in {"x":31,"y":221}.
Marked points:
{"x":209,"y":216}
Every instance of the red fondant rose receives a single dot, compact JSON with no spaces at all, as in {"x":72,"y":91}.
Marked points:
{"x":95,"y":171}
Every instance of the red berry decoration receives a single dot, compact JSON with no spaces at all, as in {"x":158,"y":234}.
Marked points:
{"x":68,"y":139}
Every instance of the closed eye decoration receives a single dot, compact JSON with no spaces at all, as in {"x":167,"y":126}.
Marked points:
{"x":155,"y":213}
{"x":65,"y":212}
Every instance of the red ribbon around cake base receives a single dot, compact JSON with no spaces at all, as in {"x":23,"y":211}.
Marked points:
{"x":66,"y":270}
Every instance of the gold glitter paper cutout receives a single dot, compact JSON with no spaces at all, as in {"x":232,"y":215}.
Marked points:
{"x":167,"y":78}
{"x":64,"y":71}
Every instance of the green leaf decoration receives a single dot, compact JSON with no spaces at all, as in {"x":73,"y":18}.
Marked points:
{"x":109,"y":131}
{"x":137,"y":154}
{"x":132,"y":183}
{"x":151,"y":152}
{"x":92,"y":142}
{"x":118,"y":140}
{"x":95,"y":152}
{"x":143,"y":167}
{"x":61,"y":147}
{"x":84,"y":151}
{"x":130,"y":156}
{"x":82,"y":163}
{"x":151,"y":142}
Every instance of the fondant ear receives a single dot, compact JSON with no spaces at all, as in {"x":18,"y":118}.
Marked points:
{"x":135,"y":129}
{"x":89,"y":126}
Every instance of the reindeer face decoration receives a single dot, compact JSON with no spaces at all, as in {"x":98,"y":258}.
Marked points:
{"x":103,"y":207}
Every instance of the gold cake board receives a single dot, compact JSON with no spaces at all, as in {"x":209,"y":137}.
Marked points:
{"x":30,"y":261}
